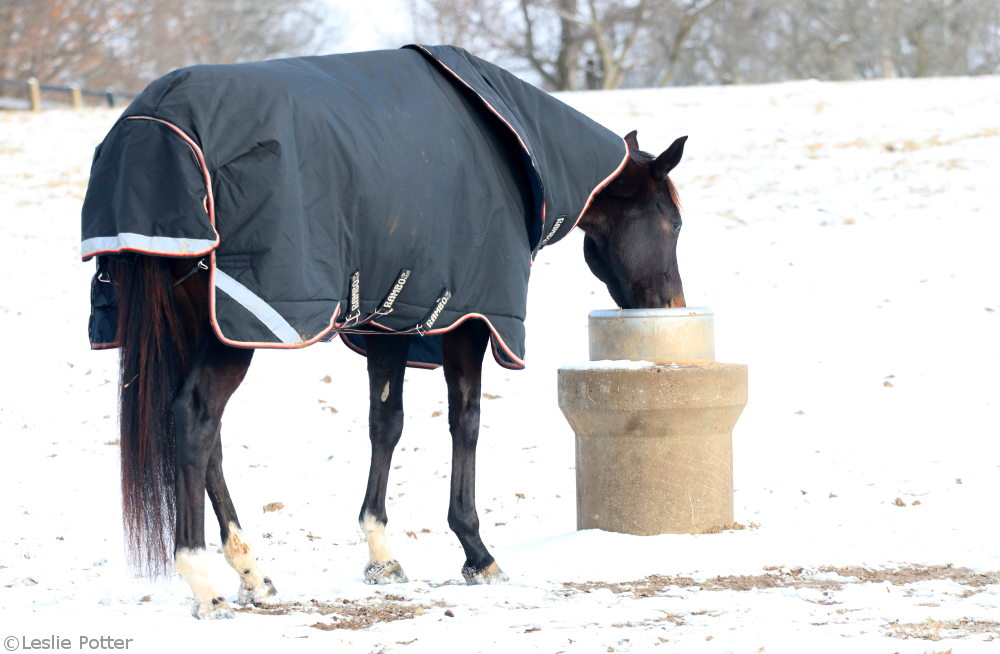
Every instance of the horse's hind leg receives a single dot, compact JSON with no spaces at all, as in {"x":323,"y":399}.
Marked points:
{"x":463,"y":365}
{"x":255,"y":587}
{"x":215,"y":374}
{"x":386,"y":366}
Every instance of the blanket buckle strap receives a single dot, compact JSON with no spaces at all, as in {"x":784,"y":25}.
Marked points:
{"x":354,"y":314}
{"x":386,"y":307}
{"x":427,"y":323}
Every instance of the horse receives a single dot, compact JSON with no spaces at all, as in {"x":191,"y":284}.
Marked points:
{"x":178,"y":374}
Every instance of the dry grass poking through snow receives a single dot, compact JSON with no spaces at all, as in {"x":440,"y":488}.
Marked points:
{"x":825,"y":578}
{"x":349,"y":614}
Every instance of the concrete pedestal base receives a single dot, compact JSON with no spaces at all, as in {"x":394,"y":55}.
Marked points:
{"x":654,"y":445}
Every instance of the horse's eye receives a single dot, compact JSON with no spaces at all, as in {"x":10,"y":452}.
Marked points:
{"x":677,"y":227}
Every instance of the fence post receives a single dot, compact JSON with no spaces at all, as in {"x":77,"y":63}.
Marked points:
{"x":111,"y":98}
{"x":76,"y":97}
{"x":34,"y":94}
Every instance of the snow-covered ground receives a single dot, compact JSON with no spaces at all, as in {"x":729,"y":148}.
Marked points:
{"x":846,"y":236}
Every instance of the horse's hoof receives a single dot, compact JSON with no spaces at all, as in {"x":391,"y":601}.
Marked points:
{"x":491,"y":574}
{"x":388,"y":572}
{"x":215,"y":609}
{"x":263,"y":595}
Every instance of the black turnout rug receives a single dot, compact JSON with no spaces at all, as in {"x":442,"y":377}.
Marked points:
{"x":403,"y":190}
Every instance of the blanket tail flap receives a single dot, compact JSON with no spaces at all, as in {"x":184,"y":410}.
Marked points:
{"x":149,"y":192}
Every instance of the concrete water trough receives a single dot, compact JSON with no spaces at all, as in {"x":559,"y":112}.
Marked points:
{"x":653,"y":414}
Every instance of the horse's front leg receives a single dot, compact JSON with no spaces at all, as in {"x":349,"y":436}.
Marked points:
{"x":463,"y":364}
{"x":215,"y":375}
{"x":386,"y":367}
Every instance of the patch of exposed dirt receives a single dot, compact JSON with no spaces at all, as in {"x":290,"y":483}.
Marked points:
{"x":349,"y":614}
{"x":656,"y":584}
{"x":672,"y":618}
{"x":912,"y":575}
{"x":793,"y":578}
{"x":939,"y":630}
{"x":732,"y":526}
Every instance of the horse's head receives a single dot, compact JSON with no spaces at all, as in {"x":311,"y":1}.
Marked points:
{"x":632,"y":228}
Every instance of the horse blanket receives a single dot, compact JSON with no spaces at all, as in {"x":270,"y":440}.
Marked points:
{"x":403,"y":191}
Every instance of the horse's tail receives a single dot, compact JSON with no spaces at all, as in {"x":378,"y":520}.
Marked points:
{"x":155,"y":357}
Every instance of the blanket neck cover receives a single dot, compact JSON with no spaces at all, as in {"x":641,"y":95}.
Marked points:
{"x":401,"y":191}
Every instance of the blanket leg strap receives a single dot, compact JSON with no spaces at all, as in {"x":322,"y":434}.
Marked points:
{"x":201,"y":265}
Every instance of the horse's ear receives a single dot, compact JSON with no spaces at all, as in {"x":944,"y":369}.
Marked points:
{"x":632,"y":141}
{"x":669,"y":159}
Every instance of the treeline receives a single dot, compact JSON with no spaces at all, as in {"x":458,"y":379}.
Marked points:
{"x":559,"y":44}
{"x":573,"y":44}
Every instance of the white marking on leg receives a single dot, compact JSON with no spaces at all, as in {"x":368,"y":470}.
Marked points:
{"x":378,"y":546}
{"x":254,"y":586}
{"x":385,"y":392}
{"x":193,"y":567}
{"x":381,"y":568}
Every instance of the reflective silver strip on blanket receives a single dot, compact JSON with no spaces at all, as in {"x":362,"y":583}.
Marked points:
{"x":258,"y":307}
{"x":143,"y":243}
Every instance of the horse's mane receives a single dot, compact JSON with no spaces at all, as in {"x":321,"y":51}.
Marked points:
{"x":674,"y":197}
{"x":645,"y":159}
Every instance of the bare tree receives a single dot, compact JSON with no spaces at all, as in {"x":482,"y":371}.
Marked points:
{"x":44,"y":39}
{"x":691,"y":12}
{"x":126,"y":43}
{"x":591,"y":46}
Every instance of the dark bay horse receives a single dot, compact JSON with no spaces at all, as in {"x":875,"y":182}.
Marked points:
{"x":310,"y":185}
{"x":177,"y":378}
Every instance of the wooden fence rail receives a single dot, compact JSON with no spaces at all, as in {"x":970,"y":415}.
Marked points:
{"x":32,"y":91}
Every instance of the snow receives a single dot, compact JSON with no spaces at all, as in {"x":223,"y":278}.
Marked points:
{"x":845,"y":236}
